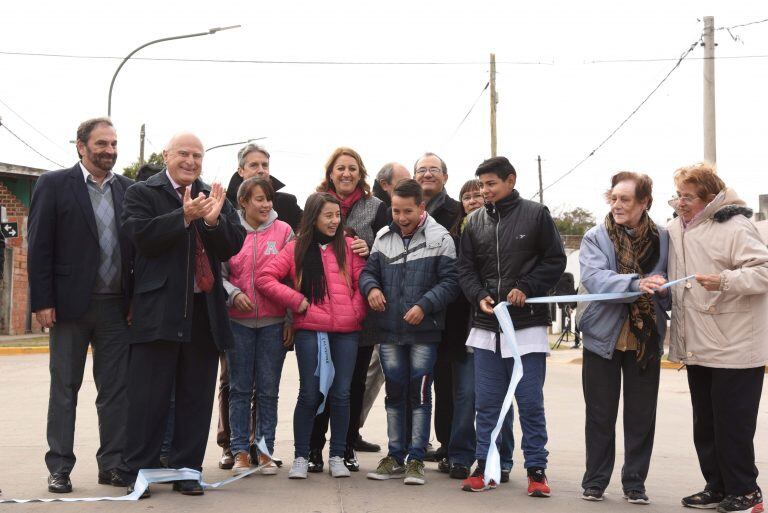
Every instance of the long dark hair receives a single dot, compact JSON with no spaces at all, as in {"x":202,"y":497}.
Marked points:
{"x":304,"y":239}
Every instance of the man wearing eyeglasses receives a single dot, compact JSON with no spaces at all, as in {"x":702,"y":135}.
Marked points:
{"x":431,"y":173}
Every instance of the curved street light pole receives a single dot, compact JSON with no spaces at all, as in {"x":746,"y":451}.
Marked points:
{"x":112,"y":84}
{"x":233,"y":144}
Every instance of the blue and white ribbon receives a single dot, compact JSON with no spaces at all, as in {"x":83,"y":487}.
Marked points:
{"x":324,"y":370}
{"x":509,"y":343}
{"x":147,"y":477}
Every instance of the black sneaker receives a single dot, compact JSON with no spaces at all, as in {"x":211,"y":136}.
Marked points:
{"x":444,"y":466}
{"x":706,"y":499}
{"x":315,"y":461}
{"x":350,"y":460}
{"x":592,"y":494}
{"x":505,"y":475}
{"x":459,"y":471}
{"x":636,"y":497}
{"x":752,"y":503}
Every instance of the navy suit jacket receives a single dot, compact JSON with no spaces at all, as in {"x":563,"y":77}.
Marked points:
{"x":63,"y":257}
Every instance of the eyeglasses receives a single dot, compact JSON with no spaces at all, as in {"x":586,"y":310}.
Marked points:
{"x":476,"y":196}
{"x":432,"y":170}
{"x":685,"y":198}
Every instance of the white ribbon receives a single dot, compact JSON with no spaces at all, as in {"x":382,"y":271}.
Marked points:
{"x":325,"y":369}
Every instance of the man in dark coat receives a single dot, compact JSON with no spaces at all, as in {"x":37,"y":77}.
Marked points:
{"x":182,"y":229}
{"x":432,"y":173}
{"x":80,"y":263}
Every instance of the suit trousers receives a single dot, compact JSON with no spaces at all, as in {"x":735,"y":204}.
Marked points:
{"x":602,"y":384}
{"x":152,"y":370}
{"x":725,"y":407}
{"x":105,"y":329}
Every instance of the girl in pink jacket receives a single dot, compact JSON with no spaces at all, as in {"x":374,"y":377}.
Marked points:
{"x":328,"y":312}
{"x":261,"y":335}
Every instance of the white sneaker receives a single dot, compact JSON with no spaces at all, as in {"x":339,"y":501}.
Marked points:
{"x":337,"y":467}
{"x":298,"y":469}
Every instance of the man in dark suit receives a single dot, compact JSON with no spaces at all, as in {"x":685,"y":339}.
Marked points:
{"x":182,"y":230}
{"x":80,"y":280}
{"x":252,"y":160}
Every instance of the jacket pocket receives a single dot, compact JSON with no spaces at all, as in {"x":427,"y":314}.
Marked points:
{"x":62,"y":269}
{"x":150,"y":285}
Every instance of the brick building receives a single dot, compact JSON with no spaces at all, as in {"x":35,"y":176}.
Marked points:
{"x":16,"y":184}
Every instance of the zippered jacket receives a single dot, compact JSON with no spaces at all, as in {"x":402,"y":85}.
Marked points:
{"x":260,"y":247}
{"x":513,"y":244}
{"x":343,"y":309}
{"x":422,"y":274}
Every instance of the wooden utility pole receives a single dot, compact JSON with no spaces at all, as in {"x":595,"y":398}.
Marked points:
{"x":541,"y":185}
{"x":494,"y":101}
{"x":710,"y":140}
{"x":141,"y":146}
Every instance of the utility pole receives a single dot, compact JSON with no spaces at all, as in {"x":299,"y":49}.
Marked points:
{"x":494,"y":101}
{"x":710,"y":140}
{"x":541,"y":185}
{"x":141,"y":145}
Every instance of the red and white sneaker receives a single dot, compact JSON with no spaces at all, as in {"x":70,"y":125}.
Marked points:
{"x":476,"y":482}
{"x":537,"y":483}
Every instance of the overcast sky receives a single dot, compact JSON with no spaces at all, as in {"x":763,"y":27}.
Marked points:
{"x":556,"y":98}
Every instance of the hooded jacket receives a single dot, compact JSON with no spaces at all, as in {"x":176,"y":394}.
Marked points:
{"x":726,"y":328}
{"x":422,"y":274}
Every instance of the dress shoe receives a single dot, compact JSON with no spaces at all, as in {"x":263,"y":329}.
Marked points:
{"x":363,"y":446}
{"x":227,"y":461}
{"x":147,"y":494}
{"x":315,"y":460}
{"x":188,"y":487}
{"x":111,"y":477}
{"x":436,"y":455}
{"x":59,"y":482}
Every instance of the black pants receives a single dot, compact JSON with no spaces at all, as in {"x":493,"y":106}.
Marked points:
{"x":152,"y":370}
{"x":105,"y":329}
{"x":602,"y":384}
{"x":443,"y":395}
{"x":725,"y":404}
{"x":357,"y":391}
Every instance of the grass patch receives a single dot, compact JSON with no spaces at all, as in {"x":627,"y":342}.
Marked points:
{"x":41,"y":341}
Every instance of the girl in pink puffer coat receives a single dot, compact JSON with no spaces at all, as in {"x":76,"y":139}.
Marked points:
{"x":328,"y":312}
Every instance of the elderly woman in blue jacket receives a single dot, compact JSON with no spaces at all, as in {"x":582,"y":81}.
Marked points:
{"x":626,"y":253}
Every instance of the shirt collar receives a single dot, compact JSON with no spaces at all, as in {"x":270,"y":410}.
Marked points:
{"x":173,"y":182}
{"x":86,"y":175}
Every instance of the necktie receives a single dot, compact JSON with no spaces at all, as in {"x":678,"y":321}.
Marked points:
{"x":203,"y":273}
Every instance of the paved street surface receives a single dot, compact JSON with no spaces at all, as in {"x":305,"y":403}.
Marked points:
{"x":674,"y":471}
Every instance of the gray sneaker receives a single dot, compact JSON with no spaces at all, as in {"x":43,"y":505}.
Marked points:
{"x":388,"y":468}
{"x":414,"y":473}
{"x":336,"y":467}
{"x":298,"y":469}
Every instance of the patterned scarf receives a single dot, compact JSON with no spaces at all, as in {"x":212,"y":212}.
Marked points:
{"x":348,"y":202}
{"x":638,"y":254}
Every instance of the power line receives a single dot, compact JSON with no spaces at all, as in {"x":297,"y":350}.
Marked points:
{"x":663,"y":59}
{"x":631,"y":114}
{"x":470,"y":110}
{"x":31,"y":126}
{"x":27,"y":144}
{"x":742,"y":25}
{"x":264,"y":61}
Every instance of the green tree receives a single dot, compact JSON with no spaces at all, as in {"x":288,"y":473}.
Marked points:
{"x":155,"y":158}
{"x":574,"y":222}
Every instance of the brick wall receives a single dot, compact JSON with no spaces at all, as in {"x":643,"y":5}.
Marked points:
{"x":19,"y":280}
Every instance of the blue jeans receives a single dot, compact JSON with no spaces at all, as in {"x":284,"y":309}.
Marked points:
{"x":461,"y":449}
{"x":408,"y":377}
{"x":255,"y":362}
{"x":493,"y":374}
{"x":343,"y":355}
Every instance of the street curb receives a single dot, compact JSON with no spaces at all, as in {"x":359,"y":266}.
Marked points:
{"x":12,"y":351}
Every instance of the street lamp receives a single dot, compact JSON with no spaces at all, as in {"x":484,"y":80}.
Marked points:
{"x":112,"y":84}
{"x":233,"y":144}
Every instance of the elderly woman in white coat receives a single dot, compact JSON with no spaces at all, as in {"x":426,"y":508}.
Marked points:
{"x":720,"y":332}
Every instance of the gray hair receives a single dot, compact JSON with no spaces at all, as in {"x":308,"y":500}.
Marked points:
{"x":386,"y":172}
{"x":245,"y":150}
{"x":430,"y":154}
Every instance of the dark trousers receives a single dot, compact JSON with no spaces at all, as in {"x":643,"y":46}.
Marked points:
{"x":725,"y":406}
{"x":443,"y":396}
{"x":152,"y":370}
{"x":602,"y":385}
{"x":104,"y":328}
{"x":357,"y":392}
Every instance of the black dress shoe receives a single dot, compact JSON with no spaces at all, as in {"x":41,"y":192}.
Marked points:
{"x":363,"y":446}
{"x":350,"y":460}
{"x":146,"y":495}
{"x":188,"y":487}
{"x":111,"y":477}
{"x":315,"y":460}
{"x":444,"y":466}
{"x":59,"y":482}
